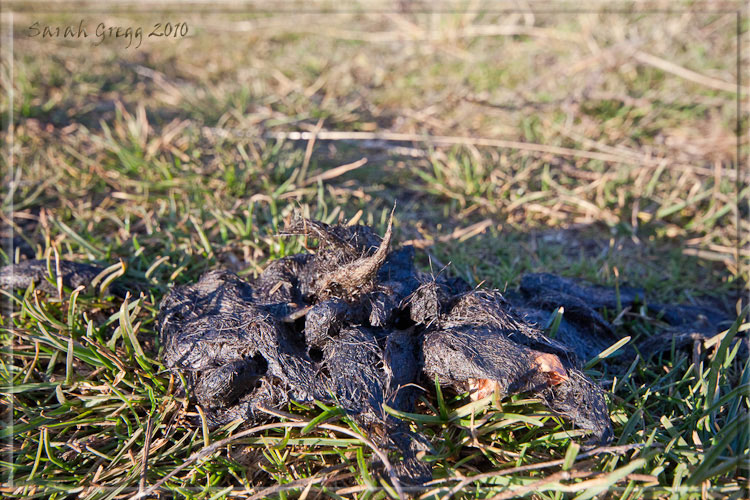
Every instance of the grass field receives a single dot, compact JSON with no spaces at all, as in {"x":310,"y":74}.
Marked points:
{"x":587,"y":143}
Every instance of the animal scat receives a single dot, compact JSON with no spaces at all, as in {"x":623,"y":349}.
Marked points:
{"x":73,"y":275}
{"x":374,"y":345}
{"x":358,"y":277}
{"x":347,"y":240}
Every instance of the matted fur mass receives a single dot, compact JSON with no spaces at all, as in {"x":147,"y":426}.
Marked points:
{"x":353,"y":323}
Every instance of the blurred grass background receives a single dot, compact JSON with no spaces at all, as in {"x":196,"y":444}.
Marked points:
{"x":566,"y":138}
